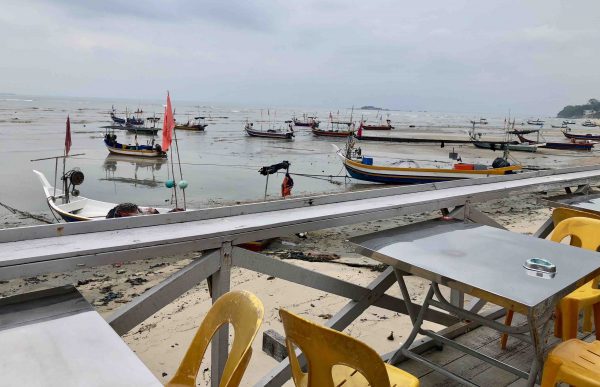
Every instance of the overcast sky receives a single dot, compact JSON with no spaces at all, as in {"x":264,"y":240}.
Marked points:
{"x":465,"y":56}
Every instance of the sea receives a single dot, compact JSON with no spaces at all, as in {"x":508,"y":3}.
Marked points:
{"x":220,"y":164}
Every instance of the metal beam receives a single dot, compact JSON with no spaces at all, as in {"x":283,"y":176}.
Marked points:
{"x":426,"y":343}
{"x":220,"y":283}
{"x":545,"y":229}
{"x":153,"y":300}
{"x":271,"y":266}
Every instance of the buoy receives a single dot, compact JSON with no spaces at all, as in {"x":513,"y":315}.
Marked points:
{"x":170,"y":183}
{"x":182,"y":184}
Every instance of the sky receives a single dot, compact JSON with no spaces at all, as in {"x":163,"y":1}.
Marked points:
{"x":531,"y":56}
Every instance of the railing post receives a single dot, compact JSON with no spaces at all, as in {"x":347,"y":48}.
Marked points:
{"x":219,"y":284}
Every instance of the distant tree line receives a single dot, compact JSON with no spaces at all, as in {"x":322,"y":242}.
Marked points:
{"x":576,"y":111}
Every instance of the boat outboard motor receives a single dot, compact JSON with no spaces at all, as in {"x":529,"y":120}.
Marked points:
{"x":71,"y":179}
{"x":499,"y":162}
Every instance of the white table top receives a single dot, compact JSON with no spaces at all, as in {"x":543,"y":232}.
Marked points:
{"x":482,"y":261}
{"x":54,"y":338}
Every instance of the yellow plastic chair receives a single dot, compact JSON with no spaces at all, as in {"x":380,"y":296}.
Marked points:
{"x":558,"y":215}
{"x":585,"y":292}
{"x":245,"y":312}
{"x":336,"y":359}
{"x":574,"y":362}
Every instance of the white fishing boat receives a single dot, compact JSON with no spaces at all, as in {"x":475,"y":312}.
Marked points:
{"x":72,"y":207}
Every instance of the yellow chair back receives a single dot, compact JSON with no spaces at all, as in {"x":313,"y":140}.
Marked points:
{"x":325,"y":348}
{"x":584,"y":232}
{"x":561,"y":213}
{"x":245,"y":312}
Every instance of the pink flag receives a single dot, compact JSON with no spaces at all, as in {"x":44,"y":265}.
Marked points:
{"x":168,"y":125}
{"x":68,"y":137}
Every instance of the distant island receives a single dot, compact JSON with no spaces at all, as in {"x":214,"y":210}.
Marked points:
{"x":369,"y":107}
{"x":589,"y":110}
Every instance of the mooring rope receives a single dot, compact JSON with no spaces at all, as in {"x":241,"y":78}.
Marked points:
{"x":26,"y":214}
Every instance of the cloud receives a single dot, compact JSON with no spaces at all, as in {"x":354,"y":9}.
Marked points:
{"x":437,"y":55}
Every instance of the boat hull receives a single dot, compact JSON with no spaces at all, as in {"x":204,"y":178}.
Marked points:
{"x":330,"y":133}
{"x":135,"y":153}
{"x":581,"y":136}
{"x":198,"y":128}
{"x":306,"y":124}
{"x":263,"y":134}
{"x":395,"y":175}
{"x":568,"y":146}
{"x":500,"y":146}
{"x":377,"y":127}
{"x":148,"y":131}
{"x":584,"y":146}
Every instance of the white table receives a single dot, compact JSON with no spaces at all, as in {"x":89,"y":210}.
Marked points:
{"x":484,"y":262}
{"x":54,"y":338}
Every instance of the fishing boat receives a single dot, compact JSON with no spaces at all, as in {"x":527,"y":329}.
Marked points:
{"x":149,"y":128}
{"x":482,"y":121}
{"x":331,"y":132}
{"x":307,"y":121}
{"x":269,"y":133}
{"x":507,"y":144}
{"x":72,"y":207}
{"x":380,"y":124}
{"x":150,"y":150}
{"x":568,"y":122}
{"x":116,"y":120}
{"x":514,"y":146}
{"x":573,"y":145}
{"x":537,"y":122}
{"x":335,"y":128}
{"x":198,"y":124}
{"x":363,"y":168}
{"x":589,"y":124}
{"x":573,"y":136}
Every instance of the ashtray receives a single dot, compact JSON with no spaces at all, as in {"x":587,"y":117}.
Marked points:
{"x":539,"y":267}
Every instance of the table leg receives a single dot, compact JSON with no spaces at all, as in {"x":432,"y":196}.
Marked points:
{"x":416,"y":326}
{"x":405,"y":295}
{"x":539,"y":343}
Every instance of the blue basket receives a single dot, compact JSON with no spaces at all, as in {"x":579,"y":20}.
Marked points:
{"x":367,"y":160}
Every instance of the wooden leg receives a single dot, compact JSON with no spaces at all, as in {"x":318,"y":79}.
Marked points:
{"x":558,"y":323}
{"x":507,"y":322}
{"x":597,"y":320}
{"x":570,"y":319}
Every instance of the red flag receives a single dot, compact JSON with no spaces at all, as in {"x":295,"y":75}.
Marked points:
{"x":360,"y":129}
{"x":68,"y":137}
{"x":168,"y":125}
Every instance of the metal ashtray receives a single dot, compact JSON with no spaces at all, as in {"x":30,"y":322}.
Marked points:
{"x":539,"y":267}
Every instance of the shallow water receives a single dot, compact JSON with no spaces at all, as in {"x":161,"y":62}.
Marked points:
{"x":220,"y":164}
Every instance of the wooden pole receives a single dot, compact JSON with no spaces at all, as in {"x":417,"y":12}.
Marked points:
{"x":266,"y":185}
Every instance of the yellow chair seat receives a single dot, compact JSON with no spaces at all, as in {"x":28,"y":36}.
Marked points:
{"x":574,"y":362}
{"x":349,"y":377}
{"x":335,"y":359}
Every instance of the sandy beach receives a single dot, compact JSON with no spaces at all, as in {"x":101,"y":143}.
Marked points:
{"x":162,"y":339}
